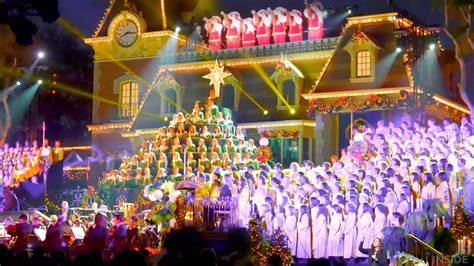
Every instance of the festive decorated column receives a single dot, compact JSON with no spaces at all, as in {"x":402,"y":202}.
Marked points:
{"x":325,"y":137}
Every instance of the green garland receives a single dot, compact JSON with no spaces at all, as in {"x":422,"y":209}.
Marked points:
{"x":349,"y":103}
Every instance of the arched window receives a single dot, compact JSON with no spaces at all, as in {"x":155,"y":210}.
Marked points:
{"x":128,"y":99}
{"x":289,"y":91}
{"x":363,"y":63}
{"x":171,"y":97}
{"x":227,"y":100}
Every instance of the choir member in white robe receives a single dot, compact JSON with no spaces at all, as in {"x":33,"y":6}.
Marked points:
{"x":244,"y":202}
{"x":442,"y":190}
{"x":279,"y":219}
{"x":365,"y":232}
{"x":380,"y":220}
{"x":320,"y":233}
{"x":391,"y":202}
{"x":363,"y":198}
{"x":350,"y":232}
{"x":336,"y":232}
{"x":304,"y":237}
{"x":429,"y":190}
{"x":404,"y":205}
{"x":268,"y":218}
{"x":289,"y":227}
{"x":260,"y":194}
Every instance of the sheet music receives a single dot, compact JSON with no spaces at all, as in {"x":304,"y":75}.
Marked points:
{"x":78,"y":232}
{"x":40,"y":233}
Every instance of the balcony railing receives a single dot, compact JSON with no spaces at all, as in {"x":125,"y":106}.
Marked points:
{"x":249,"y":52}
{"x":424,"y":251}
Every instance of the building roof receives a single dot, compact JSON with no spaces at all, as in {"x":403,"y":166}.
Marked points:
{"x":337,"y":75}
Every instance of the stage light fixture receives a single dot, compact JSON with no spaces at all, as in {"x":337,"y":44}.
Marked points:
{"x":265,"y":112}
{"x":398,"y":50}
{"x":40,"y":81}
{"x":432,"y":46}
{"x":349,"y":11}
{"x":40,"y":54}
{"x":166,"y":118}
{"x":18,"y":83}
{"x":178,"y":29}
{"x":292,"y":111}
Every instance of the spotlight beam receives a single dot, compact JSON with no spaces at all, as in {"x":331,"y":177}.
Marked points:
{"x":71,"y":90}
{"x":263,"y":75}
{"x":246,"y":94}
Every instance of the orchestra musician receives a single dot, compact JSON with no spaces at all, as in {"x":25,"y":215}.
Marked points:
{"x":19,"y":232}
{"x":118,"y":233}
{"x":54,"y":235}
{"x":132,"y":231}
{"x":97,"y":235}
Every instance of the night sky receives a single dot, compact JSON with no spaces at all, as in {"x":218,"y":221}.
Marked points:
{"x":85,"y":14}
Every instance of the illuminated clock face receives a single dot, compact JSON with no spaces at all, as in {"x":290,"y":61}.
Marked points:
{"x":126,"y":33}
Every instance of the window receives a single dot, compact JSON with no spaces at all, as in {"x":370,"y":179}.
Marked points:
{"x":363,"y":64}
{"x":129,"y":99}
{"x":170,"y":98}
{"x":289,"y":91}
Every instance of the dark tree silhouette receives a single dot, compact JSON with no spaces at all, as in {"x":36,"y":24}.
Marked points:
{"x":17,"y":14}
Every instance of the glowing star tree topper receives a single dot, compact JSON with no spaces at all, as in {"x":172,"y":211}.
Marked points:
{"x":216,"y":77}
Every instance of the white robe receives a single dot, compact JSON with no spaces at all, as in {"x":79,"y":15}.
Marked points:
{"x":320,"y":236}
{"x":259,"y":198}
{"x":380,"y":222}
{"x":268,"y":218}
{"x":350,"y":236}
{"x":290,"y":230}
{"x":244,"y":207}
{"x":442,"y":193}
{"x":365,"y":232}
{"x":336,"y":230}
{"x":304,"y":238}
{"x":279,"y":221}
{"x":428,"y":191}
{"x":403,"y":208}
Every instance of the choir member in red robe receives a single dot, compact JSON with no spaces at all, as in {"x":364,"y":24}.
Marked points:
{"x":214,"y":28}
{"x":295,"y":22}
{"x":315,"y":15}
{"x":248,"y":32}
{"x":280,"y":22}
{"x":263,"y":23}
{"x":233,"y":24}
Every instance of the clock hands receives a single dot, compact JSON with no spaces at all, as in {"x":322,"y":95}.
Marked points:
{"x":126,"y":33}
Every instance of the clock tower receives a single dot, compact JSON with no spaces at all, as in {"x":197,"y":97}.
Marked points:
{"x":127,"y":43}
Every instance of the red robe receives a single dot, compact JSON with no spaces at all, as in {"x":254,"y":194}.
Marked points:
{"x":296,"y":32}
{"x":248,"y":36}
{"x":279,"y":32}
{"x":263,"y":33}
{"x":215,"y":42}
{"x":315,"y":28}
{"x":248,"y":39}
{"x":233,"y":37}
